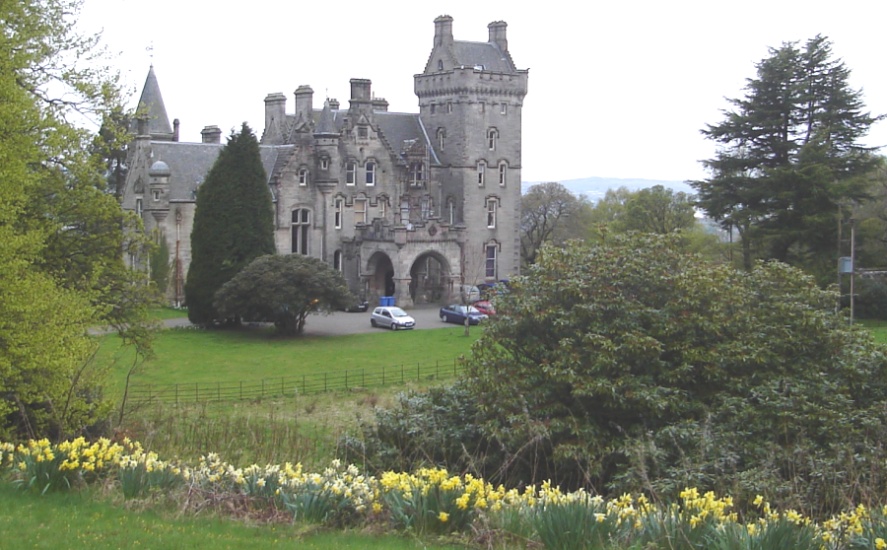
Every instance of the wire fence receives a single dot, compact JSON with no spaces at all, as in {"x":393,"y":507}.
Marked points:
{"x":288,"y":386}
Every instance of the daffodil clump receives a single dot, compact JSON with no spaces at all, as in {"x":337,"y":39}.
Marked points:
{"x":432,"y":500}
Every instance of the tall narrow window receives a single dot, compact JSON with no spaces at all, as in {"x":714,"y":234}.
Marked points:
{"x":481,"y":173}
{"x":427,"y":207}
{"x":503,"y":108}
{"x":350,"y":172}
{"x":360,"y":211}
{"x":371,"y":173}
{"x":417,"y":174}
{"x":492,"y":138}
{"x":491,"y":266}
{"x":337,"y":260}
{"x":324,"y":163}
{"x":441,"y":138}
{"x":492,"y":206}
{"x":139,"y":206}
{"x":451,"y":211}
{"x":303,"y":176}
{"x":301,"y":231}
{"x":383,"y":208}
{"x":339,"y":211}
{"x":439,"y":64}
{"x":503,"y":173}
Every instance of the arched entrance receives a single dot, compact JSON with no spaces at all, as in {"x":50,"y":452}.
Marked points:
{"x":379,"y":277}
{"x":429,"y":278}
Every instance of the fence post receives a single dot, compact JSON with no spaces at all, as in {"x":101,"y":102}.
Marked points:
{"x":177,"y":394}
{"x":383,"y":375}
{"x":346,"y":379}
{"x":418,"y":374}
{"x":363,"y":377}
{"x":241,"y":390}
{"x":282,"y":390}
{"x":324,"y":382}
{"x":401,"y":373}
{"x":304,"y":387}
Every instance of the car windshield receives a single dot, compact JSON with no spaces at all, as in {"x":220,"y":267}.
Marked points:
{"x":397,"y":312}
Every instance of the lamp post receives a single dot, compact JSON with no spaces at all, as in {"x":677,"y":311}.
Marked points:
{"x":852,"y":266}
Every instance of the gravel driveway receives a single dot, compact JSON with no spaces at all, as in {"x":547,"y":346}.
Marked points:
{"x":339,"y":323}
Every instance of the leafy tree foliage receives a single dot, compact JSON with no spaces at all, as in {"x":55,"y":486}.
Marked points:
{"x":658,"y":210}
{"x":283,"y":289}
{"x":61,"y":234}
{"x":790,"y":157}
{"x":550,"y":214}
{"x":233,"y":223}
{"x":632,"y":365}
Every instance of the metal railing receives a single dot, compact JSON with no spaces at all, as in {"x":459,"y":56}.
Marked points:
{"x":288,"y":386}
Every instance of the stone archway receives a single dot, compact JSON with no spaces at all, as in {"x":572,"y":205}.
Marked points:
{"x":429,"y":278}
{"x":379,"y":277}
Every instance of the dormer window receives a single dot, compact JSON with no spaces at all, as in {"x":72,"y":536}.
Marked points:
{"x":363,"y":132}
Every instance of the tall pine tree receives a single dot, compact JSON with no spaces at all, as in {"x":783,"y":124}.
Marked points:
{"x":789,"y":157}
{"x":233,"y":223}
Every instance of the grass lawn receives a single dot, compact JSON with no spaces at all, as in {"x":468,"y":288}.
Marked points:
{"x":210,"y":356}
{"x":877,"y":328}
{"x":168,"y":313}
{"x":81,"y":520}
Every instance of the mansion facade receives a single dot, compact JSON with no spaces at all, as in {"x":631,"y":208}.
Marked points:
{"x":403,"y":204}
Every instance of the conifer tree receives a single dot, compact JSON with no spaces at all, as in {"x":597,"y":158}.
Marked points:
{"x":789,"y":157}
{"x":233,"y":223}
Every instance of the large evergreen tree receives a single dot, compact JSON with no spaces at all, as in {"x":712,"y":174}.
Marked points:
{"x":790,"y":157}
{"x":233,"y":224}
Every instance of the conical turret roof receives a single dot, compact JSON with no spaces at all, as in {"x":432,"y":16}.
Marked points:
{"x":151,"y":106}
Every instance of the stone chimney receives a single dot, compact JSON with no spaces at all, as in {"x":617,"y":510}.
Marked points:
{"x":175,"y":130}
{"x":211,"y":134}
{"x":304,"y":104}
{"x":275,"y":116}
{"x":361,"y":97}
{"x":443,"y":31}
{"x":497,"y":34}
{"x":334,"y":104}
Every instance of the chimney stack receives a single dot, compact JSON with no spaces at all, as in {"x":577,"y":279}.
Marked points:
{"x":443,"y":31}
{"x":497,"y":34}
{"x":211,"y":134}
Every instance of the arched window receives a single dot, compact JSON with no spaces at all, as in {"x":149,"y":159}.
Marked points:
{"x":503,"y":173}
{"x":492,"y":138}
{"x":441,"y":138}
{"x":481,"y":173}
{"x":301,"y":231}
{"x":440,"y":64}
{"x":491,"y":260}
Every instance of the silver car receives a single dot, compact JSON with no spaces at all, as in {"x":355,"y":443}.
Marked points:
{"x":391,"y":317}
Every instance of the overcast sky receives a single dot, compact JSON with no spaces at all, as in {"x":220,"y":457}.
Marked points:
{"x":616,"y":89}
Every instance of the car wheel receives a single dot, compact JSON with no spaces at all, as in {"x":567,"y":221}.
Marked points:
{"x":443,"y":317}
{"x":373,"y":323}
{"x":393,"y":326}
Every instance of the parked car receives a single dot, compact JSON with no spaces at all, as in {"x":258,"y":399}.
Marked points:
{"x":357,"y":306}
{"x":391,"y":317}
{"x":485,"y":307}
{"x":456,"y":313}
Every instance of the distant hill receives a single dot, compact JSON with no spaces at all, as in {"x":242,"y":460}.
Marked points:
{"x":595,"y":188}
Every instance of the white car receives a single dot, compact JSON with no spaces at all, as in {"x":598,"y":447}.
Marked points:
{"x":391,"y":317}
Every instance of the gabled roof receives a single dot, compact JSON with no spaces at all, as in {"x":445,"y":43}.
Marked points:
{"x":151,"y":105}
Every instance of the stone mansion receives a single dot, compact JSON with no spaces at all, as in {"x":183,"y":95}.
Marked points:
{"x":403,"y":204}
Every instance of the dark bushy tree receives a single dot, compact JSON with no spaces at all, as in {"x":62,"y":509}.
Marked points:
{"x":283,"y":289}
{"x":233,"y":223}
{"x":790,"y":156}
{"x":630,"y":365}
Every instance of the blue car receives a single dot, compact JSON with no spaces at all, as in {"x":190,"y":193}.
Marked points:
{"x":456,"y":313}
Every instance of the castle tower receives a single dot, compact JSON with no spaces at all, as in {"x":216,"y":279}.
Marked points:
{"x":470,"y":103}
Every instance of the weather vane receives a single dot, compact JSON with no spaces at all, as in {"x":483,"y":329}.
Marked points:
{"x":150,"y":50}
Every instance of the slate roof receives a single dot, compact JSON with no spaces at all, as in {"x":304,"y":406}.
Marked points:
{"x":485,"y":54}
{"x":189,"y":163}
{"x":152,"y":100}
